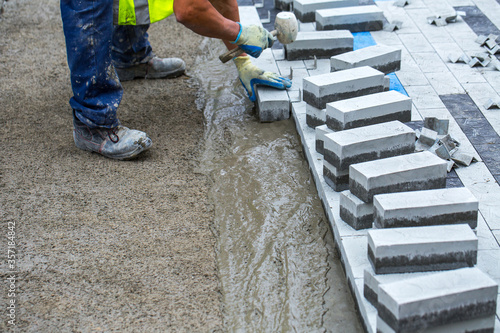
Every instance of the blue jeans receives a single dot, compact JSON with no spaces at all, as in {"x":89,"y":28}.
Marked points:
{"x":94,"y":47}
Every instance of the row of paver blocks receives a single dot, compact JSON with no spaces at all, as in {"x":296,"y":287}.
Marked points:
{"x":369,"y":152}
{"x":421,"y":227}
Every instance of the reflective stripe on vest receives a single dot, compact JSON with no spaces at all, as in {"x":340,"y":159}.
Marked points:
{"x":140,"y":12}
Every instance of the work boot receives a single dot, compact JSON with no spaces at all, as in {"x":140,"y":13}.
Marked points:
{"x":120,"y":143}
{"x":156,"y":68}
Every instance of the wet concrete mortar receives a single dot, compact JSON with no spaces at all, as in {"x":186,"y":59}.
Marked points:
{"x":217,"y":228}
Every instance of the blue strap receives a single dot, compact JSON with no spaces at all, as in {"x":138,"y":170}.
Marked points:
{"x":239,"y":34}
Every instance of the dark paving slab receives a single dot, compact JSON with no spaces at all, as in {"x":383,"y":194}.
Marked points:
{"x":478,"y":22}
{"x":452,"y":180}
{"x":477,"y":128}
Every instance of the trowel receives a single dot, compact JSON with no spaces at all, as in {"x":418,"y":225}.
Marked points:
{"x":286,"y":29}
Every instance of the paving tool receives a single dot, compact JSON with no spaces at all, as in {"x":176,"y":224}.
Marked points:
{"x":286,"y":29}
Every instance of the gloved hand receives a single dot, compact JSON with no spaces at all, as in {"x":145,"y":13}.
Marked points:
{"x":250,"y":75}
{"x":253,"y":39}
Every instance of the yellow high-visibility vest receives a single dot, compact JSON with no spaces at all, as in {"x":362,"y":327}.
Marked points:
{"x":139,"y":12}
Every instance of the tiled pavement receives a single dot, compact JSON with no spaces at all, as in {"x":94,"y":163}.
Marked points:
{"x":440,"y":89}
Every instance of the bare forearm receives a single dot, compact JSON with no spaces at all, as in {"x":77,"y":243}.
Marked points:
{"x":203,"y":18}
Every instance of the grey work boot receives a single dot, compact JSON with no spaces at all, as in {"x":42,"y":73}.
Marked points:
{"x":156,"y":68}
{"x":120,"y":143}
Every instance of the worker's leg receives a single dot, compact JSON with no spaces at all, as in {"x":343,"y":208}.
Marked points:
{"x":134,"y":58}
{"x":131,"y":45}
{"x":97,"y":92}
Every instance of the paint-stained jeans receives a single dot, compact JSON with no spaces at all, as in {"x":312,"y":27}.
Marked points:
{"x":94,"y":46}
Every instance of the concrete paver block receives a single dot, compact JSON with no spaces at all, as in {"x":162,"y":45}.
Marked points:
{"x":337,"y":180}
{"x":272,"y":104}
{"x":354,"y":19}
{"x":421,"y":208}
{"x":439,"y":125}
{"x":428,"y":137}
{"x":443,"y":298}
{"x":341,"y":149}
{"x":368,"y":110}
{"x":411,"y":172}
{"x":372,"y":281}
{"x":283,"y":4}
{"x":386,"y":59}
{"x":483,"y":324}
{"x":430,"y":248}
{"x":314,"y":116}
{"x":330,"y":87}
{"x":320,"y":132}
{"x":305,"y":10}
{"x":355,"y":212}
{"x":322,"y":44}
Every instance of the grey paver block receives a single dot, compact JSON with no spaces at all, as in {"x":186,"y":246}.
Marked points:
{"x":384,"y":58}
{"x":431,"y":207}
{"x":320,"y":132}
{"x":305,"y":10}
{"x":427,"y":136}
{"x":272,"y":104}
{"x":341,"y":149}
{"x":439,"y":299}
{"x":337,"y":180}
{"x":372,"y":281}
{"x":355,"y":19}
{"x":314,"y":116}
{"x":411,"y":172}
{"x":330,"y":87}
{"x":483,"y":324}
{"x":355,"y":212}
{"x":322,"y":44}
{"x":429,"y":248}
{"x":439,"y":125}
{"x":368,"y":110}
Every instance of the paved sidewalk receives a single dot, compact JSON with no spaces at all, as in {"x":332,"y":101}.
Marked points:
{"x":438,"y":88}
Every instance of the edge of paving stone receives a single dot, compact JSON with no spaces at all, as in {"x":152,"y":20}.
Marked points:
{"x":330,"y":200}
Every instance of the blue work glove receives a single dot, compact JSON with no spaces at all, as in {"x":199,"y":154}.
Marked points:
{"x":253,"y":39}
{"x":251,"y":75}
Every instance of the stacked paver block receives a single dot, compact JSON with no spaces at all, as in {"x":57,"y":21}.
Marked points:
{"x":355,"y":212}
{"x":341,"y":149}
{"x":314,"y":116}
{"x":460,"y":297}
{"x":305,"y":10}
{"x":319,"y":44}
{"x":431,"y":248}
{"x":336,"y":179}
{"x":368,"y":110}
{"x":322,"y":89}
{"x":483,"y":324}
{"x":354,"y":19}
{"x":421,"y":208}
{"x":368,"y":143}
{"x":386,"y":59}
{"x":411,"y":172}
{"x":320,"y":132}
{"x":372,"y":281}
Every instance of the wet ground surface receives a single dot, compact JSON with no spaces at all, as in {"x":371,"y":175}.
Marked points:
{"x":277,"y":268}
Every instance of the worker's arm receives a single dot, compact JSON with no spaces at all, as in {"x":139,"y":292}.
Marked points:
{"x":219,"y":20}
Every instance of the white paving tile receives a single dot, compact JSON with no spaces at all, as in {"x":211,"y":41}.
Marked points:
{"x":496,"y":233}
{"x":432,"y":33}
{"x":386,"y":38}
{"x":416,"y":43}
{"x":465,"y":74}
{"x":493,"y":78}
{"x":486,"y":238}
{"x":356,"y":251}
{"x":447,"y":48}
{"x":424,"y":97}
{"x":489,"y":262}
{"x":444,"y":83}
{"x":429,"y":62}
{"x":416,"y":78}
{"x":479,"y":180}
{"x":322,"y":66}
